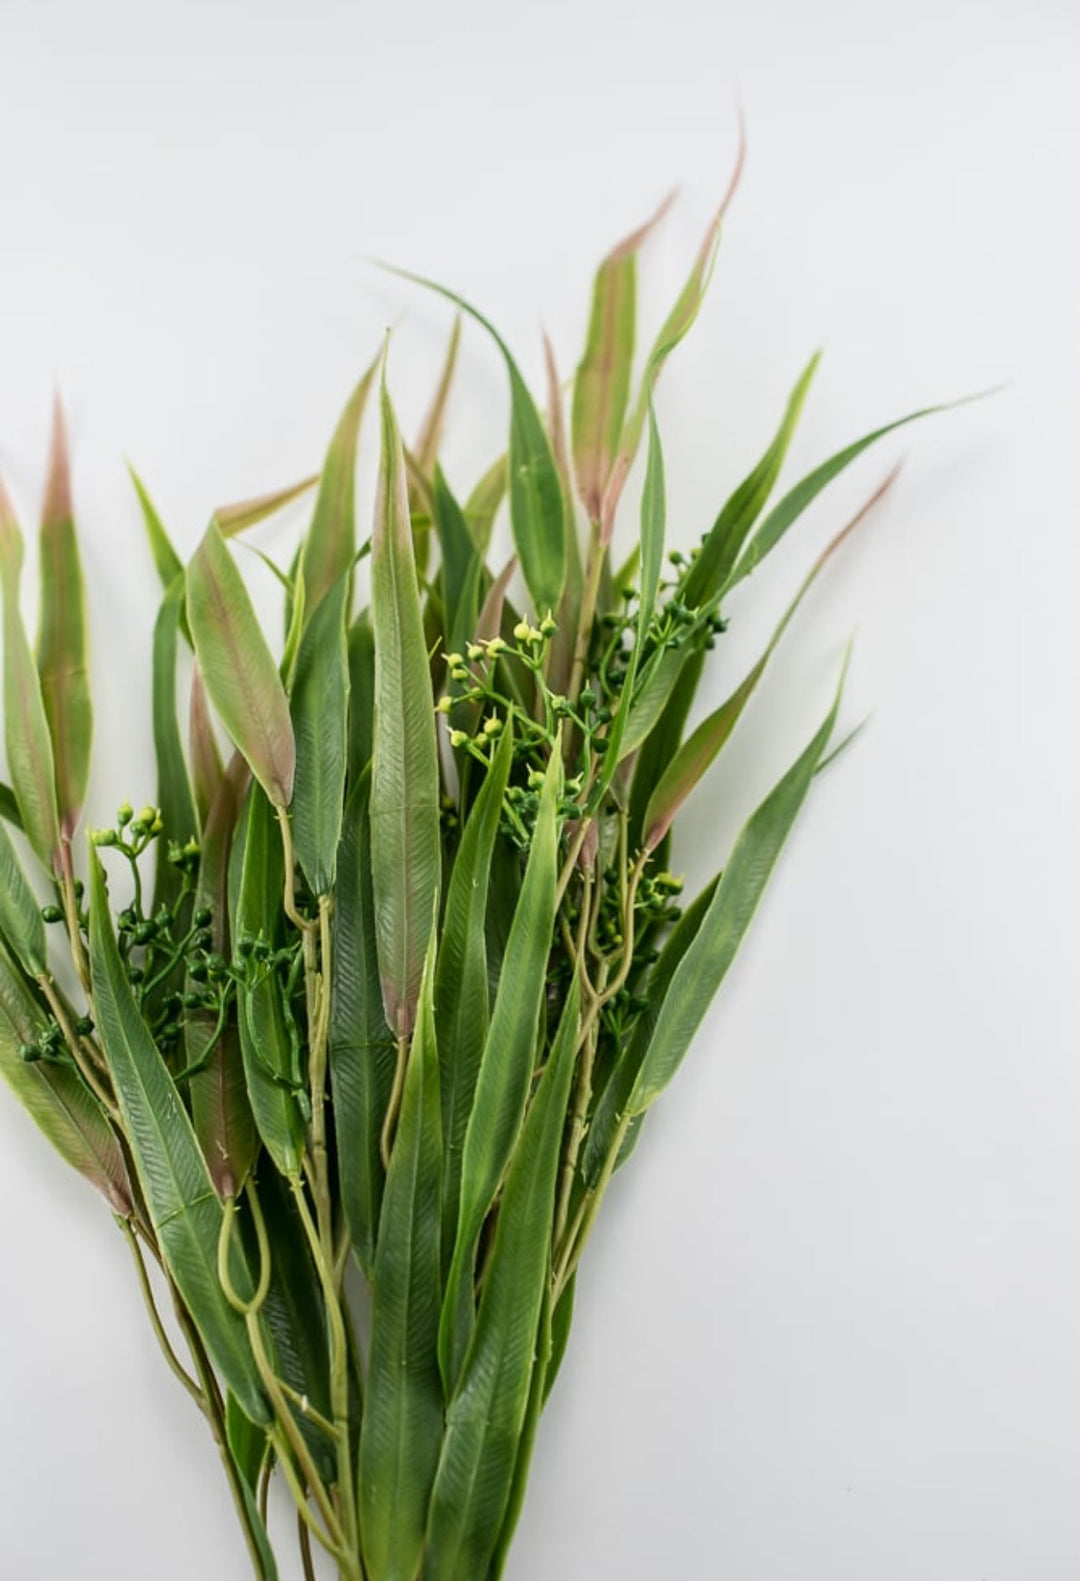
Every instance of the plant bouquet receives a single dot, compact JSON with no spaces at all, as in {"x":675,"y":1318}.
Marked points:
{"x":396,"y":981}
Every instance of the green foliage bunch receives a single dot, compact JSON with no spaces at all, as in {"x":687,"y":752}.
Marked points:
{"x":395,"y":983}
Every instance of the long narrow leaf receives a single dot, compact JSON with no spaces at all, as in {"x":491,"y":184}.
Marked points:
{"x":271,"y":1058}
{"x":21,"y":922}
{"x":180,"y":1196}
{"x":403,"y":1410}
{"x":602,"y":381}
{"x":506,"y":1067}
{"x":362,"y":1049}
{"x":26,"y":727}
{"x":693,"y":758}
{"x":706,"y":962}
{"x":406,"y":852}
{"x":176,"y":800}
{"x":320,"y":716}
{"x":220,"y":1109}
{"x":61,"y":646}
{"x":678,"y":322}
{"x":732,"y":527}
{"x":56,"y":1099}
{"x":330,"y":546}
{"x":487,"y":1412}
{"x":238,"y":668}
{"x":537,"y":517}
{"x":461,"y":979}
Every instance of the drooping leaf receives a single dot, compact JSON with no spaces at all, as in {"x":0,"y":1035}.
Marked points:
{"x":506,"y":1066}
{"x":56,"y":1099}
{"x":536,"y":503}
{"x":406,"y":849}
{"x":180,"y":1197}
{"x":329,"y":549}
{"x":26,"y":727}
{"x":461,"y":979}
{"x":712,"y":950}
{"x":21,"y":922}
{"x":720,"y":549}
{"x":602,"y":381}
{"x":560,"y":656}
{"x":361,"y":1046}
{"x":403,"y":1410}
{"x":487,"y":1411}
{"x":220,"y":1110}
{"x":320,"y":716}
{"x":271,"y":1057}
{"x":61,"y":646}
{"x":238,"y":668}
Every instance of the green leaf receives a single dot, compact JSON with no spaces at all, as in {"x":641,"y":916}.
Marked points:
{"x":26,"y":727}
{"x":459,"y":553}
{"x":461,"y":979}
{"x":483,"y":503}
{"x":791,"y":507}
{"x":561,"y":1320}
{"x":720,"y":549}
{"x":660,"y":745}
{"x":180,"y":1197}
{"x":361,"y":694}
{"x":329,"y":549}
{"x":602,"y":381}
{"x":168,"y":562}
{"x":653,"y":519}
{"x":537,"y":516}
{"x":430,"y":437}
{"x":320,"y":717}
{"x":206,"y":766}
{"x":238,"y":667}
{"x":403,"y":1409}
{"x":487,"y":1412}
{"x":361,"y":1050}
{"x":506,"y":1067}
{"x":56,"y":1099}
{"x":21,"y":922}
{"x":237,"y":518}
{"x":174,"y":794}
{"x":247,"y":1442}
{"x":220,"y":1110}
{"x":704,"y":966}
{"x":688,"y":765}
{"x":9,"y":808}
{"x":61,"y":646}
{"x":406,"y":839}
{"x":271,"y":1056}
{"x":603,"y":1131}
{"x":678,"y":322}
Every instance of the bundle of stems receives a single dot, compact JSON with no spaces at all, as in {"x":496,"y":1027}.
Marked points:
{"x":396,"y":982}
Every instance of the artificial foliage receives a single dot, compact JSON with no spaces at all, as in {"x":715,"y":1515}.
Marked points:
{"x":391,"y":971}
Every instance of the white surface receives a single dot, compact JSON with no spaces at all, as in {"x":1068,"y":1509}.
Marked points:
{"x":830,"y":1326}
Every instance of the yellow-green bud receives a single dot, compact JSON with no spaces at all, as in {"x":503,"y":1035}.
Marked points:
{"x":523,"y":631}
{"x":458,"y":738}
{"x":444,"y":705}
{"x":492,"y":725}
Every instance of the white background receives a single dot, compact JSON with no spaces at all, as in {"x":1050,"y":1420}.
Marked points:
{"x":830,"y":1326}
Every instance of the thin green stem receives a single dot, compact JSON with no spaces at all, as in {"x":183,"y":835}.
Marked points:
{"x":386,"y":1140}
{"x":176,"y":1366}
